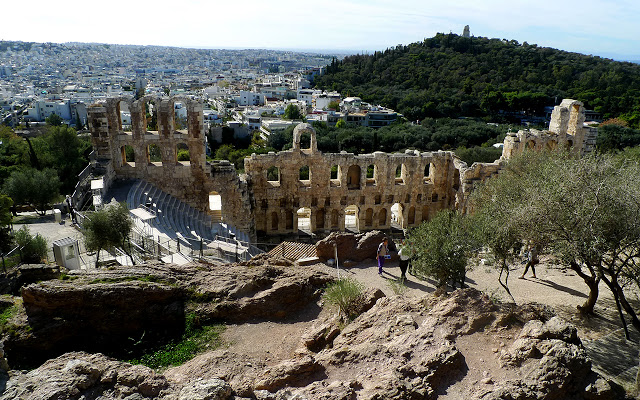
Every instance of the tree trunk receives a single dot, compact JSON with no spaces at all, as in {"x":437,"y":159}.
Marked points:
{"x":592,"y":282}
{"x":618,"y":294}
{"x":97,"y":257}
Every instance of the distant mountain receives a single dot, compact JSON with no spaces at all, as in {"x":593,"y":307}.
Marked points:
{"x":452,"y":76}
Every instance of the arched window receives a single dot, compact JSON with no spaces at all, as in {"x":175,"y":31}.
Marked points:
{"x":274,"y":221}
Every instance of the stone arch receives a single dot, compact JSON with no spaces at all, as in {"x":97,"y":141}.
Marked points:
{"x":531,"y":144}
{"x":183,"y":155}
{"x":411,"y":216}
{"x":397,"y":217}
{"x":274,"y":221}
{"x":301,"y":129}
{"x":351,"y":218}
{"x":151,"y":110}
{"x":128,"y":155}
{"x":353,"y":177}
{"x":215,"y":206}
{"x":304,"y":219}
{"x":382,"y":217}
{"x":368,"y":217}
{"x":122,"y":110}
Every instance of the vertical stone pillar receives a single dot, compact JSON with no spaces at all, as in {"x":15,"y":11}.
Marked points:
{"x":99,"y":126}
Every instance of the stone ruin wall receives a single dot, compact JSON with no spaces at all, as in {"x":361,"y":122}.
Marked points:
{"x":566,"y":131}
{"x":419,"y":195}
{"x":190,"y":181}
{"x":428,"y":181}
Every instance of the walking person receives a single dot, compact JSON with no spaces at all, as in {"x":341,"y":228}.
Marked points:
{"x":532,"y":261}
{"x":383,"y":252}
{"x":405,"y":255}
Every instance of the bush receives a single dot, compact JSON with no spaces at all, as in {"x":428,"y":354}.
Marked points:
{"x":346,"y":294}
{"x":33,"y":248}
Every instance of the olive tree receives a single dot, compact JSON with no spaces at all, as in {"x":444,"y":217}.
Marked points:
{"x":108,"y":227}
{"x":585,"y":211}
{"x":441,"y":248}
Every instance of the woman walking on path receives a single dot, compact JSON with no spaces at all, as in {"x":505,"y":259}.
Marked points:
{"x":383,"y":251}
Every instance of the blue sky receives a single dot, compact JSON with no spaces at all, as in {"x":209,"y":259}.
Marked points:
{"x":606,"y":28}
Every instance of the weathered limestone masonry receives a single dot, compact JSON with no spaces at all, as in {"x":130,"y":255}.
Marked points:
{"x":566,"y":131}
{"x":364,"y":187}
{"x":190,"y":181}
{"x":326,"y":192}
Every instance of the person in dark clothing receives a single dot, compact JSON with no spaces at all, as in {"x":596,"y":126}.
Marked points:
{"x":405,"y":256}
{"x":383,"y":251}
{"x":532,"y":261}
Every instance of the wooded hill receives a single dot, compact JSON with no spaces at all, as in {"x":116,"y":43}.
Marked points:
{"x":451,"y":76}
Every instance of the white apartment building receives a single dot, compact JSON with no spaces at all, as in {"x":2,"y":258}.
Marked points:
{"x":41,"y":109}
{"x":321,"y":101}
{"x":307,"y":95}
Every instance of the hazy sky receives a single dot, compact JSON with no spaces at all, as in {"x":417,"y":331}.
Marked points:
{"x":607,"y":28}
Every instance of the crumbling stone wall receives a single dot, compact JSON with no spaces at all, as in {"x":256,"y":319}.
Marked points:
{"x":191,"y":181}
{"x":426,"y":183}
{"x":566,"y":131}
{"x":372,"y":191}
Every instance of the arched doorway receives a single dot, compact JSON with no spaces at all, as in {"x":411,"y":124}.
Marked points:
{"x":397,"y":219}
{"x":304,"y":219}
{"x":351,"y":218}
{"x":215,"y":206}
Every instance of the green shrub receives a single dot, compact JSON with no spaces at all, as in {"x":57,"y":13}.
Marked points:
{"x":346,"y":294}
{"x":33,"y":248}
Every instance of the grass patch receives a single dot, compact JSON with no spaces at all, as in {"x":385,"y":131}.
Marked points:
{"x":397,"y":286}
{"x":346,"y":294}
{"x":7,"y":314}
{"x":195,"y":339}
{"x":67,"y":277}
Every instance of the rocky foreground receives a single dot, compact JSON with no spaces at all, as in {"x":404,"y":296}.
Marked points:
{"x":452,"y":346}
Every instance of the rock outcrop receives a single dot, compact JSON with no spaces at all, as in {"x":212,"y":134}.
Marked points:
{"x":407,"y":349}
{"x":125,"y":309}
{"x":353,"y":247}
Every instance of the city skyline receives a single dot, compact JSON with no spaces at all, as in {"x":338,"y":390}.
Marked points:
{"x":590,"y":27}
